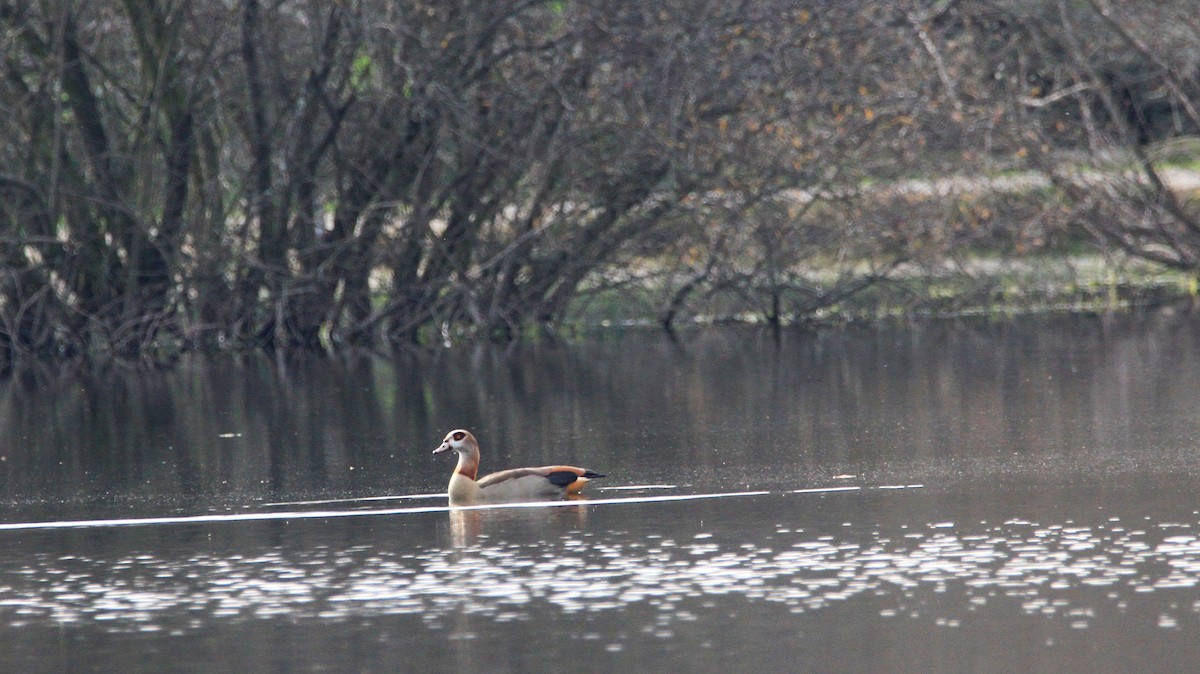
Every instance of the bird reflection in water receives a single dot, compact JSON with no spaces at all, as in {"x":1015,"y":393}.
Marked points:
{"x":468,"y":526}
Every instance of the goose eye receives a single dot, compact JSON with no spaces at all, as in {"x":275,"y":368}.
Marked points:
{"x":459,"y":436}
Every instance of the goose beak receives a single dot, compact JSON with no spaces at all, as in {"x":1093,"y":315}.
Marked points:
{"x":444,"y":447}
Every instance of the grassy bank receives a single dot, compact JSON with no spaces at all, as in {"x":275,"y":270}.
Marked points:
{"x":978,"y":285}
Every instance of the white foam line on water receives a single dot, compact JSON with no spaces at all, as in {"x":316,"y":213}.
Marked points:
{"x":329,"y":514}
{"x":403,"y":497}
{"x":417,"y":497}
{"x":822,"y":490}
{"x":901,"y":486}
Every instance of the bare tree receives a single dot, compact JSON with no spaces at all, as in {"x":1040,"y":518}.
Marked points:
{"x":1101,"y":98}
{"x":299,"y":173}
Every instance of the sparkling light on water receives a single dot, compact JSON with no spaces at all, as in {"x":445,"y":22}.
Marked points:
{"x":1040,"y":567}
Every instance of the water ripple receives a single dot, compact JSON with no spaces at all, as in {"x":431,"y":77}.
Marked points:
{"x":1043,"y":569}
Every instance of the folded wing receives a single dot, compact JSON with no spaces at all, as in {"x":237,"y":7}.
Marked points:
{"x":544,"y":481}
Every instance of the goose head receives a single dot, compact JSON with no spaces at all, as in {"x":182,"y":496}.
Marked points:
{"x":460,"y":441}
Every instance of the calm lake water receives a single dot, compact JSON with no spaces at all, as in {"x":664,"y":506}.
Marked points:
{"x":941,"y":497}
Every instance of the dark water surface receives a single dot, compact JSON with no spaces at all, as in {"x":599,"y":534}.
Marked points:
{"x":945,"y":497}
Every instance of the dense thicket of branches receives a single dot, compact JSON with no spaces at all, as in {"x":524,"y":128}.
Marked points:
{"x":303,"y":172}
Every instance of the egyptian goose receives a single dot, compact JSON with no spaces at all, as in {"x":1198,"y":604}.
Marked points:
{"x":517,"y":484}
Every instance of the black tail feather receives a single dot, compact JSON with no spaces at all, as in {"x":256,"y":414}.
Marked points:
{"x":561,"y":478}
